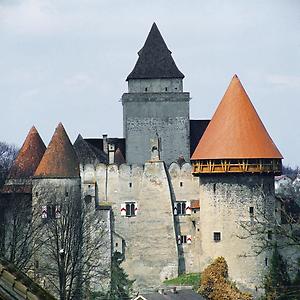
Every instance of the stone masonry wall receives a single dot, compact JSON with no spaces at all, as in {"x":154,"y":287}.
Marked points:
{"x":149,"y":239}
{"x":225,"y":206}
{"x":148,"y":114}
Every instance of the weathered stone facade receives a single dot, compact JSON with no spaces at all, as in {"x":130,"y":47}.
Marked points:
{"x":231,"y":205}
{"x":163,"y":114}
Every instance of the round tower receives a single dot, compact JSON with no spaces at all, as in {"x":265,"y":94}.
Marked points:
{"x":56,"y":195}
{"x":236,"y":161}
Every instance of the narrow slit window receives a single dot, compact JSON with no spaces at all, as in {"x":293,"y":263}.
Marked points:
{"x":251,"y":211}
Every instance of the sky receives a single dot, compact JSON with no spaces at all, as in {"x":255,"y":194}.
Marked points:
{"x":67,"y":61}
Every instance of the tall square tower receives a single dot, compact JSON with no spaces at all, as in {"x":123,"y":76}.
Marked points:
{"x":155,"y":105}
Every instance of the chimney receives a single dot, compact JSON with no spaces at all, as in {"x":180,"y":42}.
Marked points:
{"x":105,"y":144}
{"x":111,"y":153}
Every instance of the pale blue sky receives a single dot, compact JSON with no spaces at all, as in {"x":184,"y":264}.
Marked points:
{"x":68,"y":60}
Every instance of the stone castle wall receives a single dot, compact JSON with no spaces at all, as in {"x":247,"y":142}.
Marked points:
{"x":148,"y":240}
{"x":148,"y":114}
{"x":225,"y":209}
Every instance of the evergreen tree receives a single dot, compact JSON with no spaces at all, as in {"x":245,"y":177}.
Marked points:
{"x":277,"y":281}
{"x":121,"y":286}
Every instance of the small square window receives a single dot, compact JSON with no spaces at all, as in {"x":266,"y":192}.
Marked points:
{"x":217,"y":236}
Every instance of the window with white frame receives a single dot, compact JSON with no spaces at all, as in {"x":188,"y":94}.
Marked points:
{"x":130,"y":209}
{"x":181,"y":208}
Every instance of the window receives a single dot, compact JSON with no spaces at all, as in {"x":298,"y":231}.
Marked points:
{"x":183,"y":239}
{"x":146,"y":89}
{"x":130,"y":209}
{"x":214,"y":187}
{"x":266,"y":261}
{"x":67,"y":194}
{"x":181,"y":208}
{"x":166,"y":89}
{"x":251,"y":211}
{"x":217,"y":236}
{"x":51,"y":211}
{"x":130,"y":184}
{"x":181,"y":184}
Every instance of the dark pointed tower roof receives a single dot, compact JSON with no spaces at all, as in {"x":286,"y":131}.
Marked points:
{"x":236,"y":131}
{"x":155,"y":59}
{"x":28,"y":157}
{"x":59,"y":160}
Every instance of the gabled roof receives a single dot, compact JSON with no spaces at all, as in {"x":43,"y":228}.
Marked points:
{"x":236,"y":131}
{"x":155,"y":60}
{"x":59,"y":160}
{"x":28,"y":157}
{"x":87,"y":153}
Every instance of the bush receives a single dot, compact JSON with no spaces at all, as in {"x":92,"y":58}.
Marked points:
{"x":216,"y":286}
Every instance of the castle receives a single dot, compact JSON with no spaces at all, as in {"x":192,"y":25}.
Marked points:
{"x":174,"y":191}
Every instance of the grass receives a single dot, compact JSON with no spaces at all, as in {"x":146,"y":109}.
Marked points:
{"x":192,"y":279}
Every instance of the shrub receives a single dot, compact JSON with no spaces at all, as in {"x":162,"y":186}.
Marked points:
{"x":215,"y":284}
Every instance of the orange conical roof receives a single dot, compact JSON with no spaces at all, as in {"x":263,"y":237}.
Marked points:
{"x":28,"y":157}
{"x":236,"y":130}
{"x":59,"y":160}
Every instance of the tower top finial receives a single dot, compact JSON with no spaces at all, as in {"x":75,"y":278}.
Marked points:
{"x":155,"y":60}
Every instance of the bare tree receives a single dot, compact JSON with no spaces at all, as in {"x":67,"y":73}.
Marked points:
{"x":75,"y":242}
{"x":8,"y":154}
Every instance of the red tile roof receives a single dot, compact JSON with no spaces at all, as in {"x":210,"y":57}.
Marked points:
{"x":236,"y":131}
{"x":28,"y":157}
{"x":59,"y":160}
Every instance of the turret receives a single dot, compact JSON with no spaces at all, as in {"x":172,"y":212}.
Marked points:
{"x":155,"y":104}
{"x":56,"y":194}
{"x":236,"y":140}
{"x":25,"y":164}
{"x":235,"y":161}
